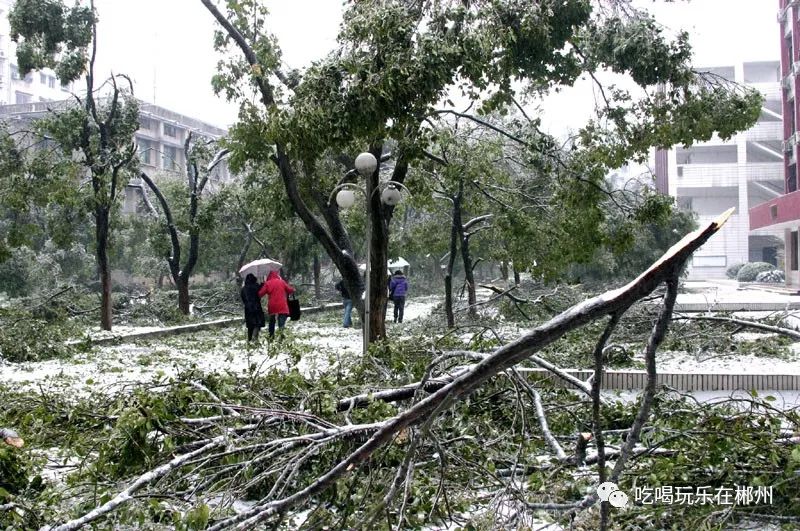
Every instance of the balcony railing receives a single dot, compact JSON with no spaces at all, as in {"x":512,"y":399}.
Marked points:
{"x":728,"y":174}
{"x":764,"y":171}
{"x":765,"y":131}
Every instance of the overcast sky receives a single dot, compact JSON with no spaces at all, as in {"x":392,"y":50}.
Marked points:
{"x":165,"y":45}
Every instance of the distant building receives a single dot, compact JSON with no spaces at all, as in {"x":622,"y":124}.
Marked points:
{"x":782,"y":213}
{"x":711,"y":177}
{"x":160,"y":138}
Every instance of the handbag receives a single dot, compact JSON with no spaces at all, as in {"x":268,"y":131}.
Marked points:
{"x":294,"y":307}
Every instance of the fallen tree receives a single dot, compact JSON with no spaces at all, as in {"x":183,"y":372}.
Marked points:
{"x":282,"y":444}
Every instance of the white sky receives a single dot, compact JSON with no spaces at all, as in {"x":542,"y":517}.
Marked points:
{"x":166,"y":46}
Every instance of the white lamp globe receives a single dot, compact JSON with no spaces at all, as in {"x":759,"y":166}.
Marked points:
{"x":391,"y":196}
{"x":366,"y":164}
{"x":345,"y":198}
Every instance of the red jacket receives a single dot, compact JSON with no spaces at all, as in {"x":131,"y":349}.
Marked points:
{"x":277,"y":289}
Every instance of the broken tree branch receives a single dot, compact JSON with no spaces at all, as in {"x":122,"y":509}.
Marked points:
{"x":664,"y":270}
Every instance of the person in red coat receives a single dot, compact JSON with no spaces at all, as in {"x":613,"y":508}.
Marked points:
{"x":277,"y":290}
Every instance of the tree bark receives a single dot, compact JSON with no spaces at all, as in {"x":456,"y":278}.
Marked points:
{"x":379,"y":255}
{"x":451,"y":259}
{"x":101,"y":236}
{"x":317,"y":274}
{"x":469,"y":277}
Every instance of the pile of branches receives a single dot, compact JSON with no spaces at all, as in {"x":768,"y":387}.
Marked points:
{"x":472,"y":431}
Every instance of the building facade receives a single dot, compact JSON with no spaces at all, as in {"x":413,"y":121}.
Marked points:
{"x":711,"y":177}
{"x":160,"y":139}
{"x":782,"y":213}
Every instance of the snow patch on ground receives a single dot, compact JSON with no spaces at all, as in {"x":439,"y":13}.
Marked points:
{"x":742,"y":364}
{"x":111,"y":367}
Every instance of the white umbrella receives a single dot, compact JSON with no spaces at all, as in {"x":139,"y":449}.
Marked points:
{"x":260,"y":267}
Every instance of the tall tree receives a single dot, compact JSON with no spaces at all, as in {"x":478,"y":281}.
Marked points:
{"x":96,"y":132}
{"x":201,"y":160}
{"x":396,"y":62}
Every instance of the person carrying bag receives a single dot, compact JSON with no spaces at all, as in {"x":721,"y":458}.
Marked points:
{"x":294,"y":306}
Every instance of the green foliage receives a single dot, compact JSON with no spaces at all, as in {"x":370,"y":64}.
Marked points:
{"x":749,"y":271}
{"x":35,"y":335}
{"x":50,"y":35}
{"x":634,"y":240}
{"x":733,"y":270}
{"x":13,"y":471}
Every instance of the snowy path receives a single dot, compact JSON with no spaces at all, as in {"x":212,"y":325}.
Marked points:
{"x":224,"y":349}
{"x":109,"y":367}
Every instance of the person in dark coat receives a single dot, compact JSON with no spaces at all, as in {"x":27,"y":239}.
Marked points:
{"x":277,"y":307}
{"x":251,"y":294}
{"x":398,"y":287}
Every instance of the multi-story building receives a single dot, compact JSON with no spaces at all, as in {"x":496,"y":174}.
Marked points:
{"x":36,"y":86}
{"x":160,"y":139}
{"x":711,"y":177}
{"x":782,"y":212}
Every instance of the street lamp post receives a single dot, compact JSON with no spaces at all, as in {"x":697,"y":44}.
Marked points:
{"x":366,"y":164}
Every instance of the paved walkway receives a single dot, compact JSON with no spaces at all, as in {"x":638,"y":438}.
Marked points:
{"x":728,"y":295}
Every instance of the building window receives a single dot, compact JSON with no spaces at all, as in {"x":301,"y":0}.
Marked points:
{"x":170,"y":130}
{"x":29,"y":78}
{"x":709,"y":261}
{"x":707,"y":155}
{"x":22,"y":97}
{"x":51,"y":82}
{"x":42,"y":78}
{"x":170,"y":158}
{"x":145,"y":123}
{"x":15,"y":72}
{"x":793,"y":251}
{"x":146,"y":152}
{"x":791,"y":178}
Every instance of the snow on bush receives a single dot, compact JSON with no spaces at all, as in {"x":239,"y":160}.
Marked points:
{"x":775,"y":276}
{"x":749,"y":271}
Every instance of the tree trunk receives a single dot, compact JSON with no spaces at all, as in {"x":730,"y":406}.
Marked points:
{"x":379,"y":257}
{"x":183,"y":296}
{"x":516,"y":277}
{"x":504,"y":270}
{"x":317,"y":274}
{"x":469,"y":277}
{"x":451,"y":259}
{"x":101,"y":235}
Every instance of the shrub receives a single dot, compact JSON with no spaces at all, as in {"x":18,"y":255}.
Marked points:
{"x":733,"y":270}
{"x":749,"y":271}
{"x":775,"y":276}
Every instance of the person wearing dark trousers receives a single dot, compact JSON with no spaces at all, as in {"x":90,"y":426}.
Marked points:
{"x":398,"y":287}
{"x":347,"y":300}
{"x":277,"y":290}
{"x":251,"y":295}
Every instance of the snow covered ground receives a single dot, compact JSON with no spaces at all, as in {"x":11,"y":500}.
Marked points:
{"x":110,"y":367}
{"x":224,"y":349}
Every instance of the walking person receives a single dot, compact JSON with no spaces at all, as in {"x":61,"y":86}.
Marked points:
{"x":347,"y":300}
{"x":398,"y":287}
{"x":251,"y":294}
{"x":277,"y":290}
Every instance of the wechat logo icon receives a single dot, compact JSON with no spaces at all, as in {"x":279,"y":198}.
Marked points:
{"x":609,"y":492}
